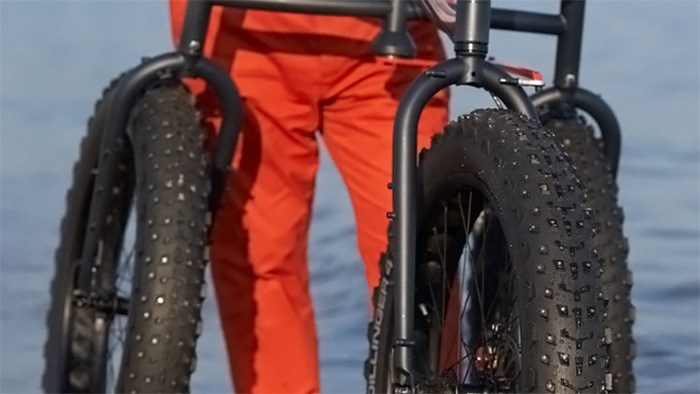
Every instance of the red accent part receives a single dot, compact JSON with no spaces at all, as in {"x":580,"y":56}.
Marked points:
{"x":482,"y":360}
{"x":522,"y":71}
{"x":399,"y":61}
{"x":425,"y":63}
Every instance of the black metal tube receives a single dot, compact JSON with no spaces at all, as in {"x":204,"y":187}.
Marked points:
{"x":525,"y":21}
{"x":394,"y":40}
{"x":231,"y":107}
{"x":513,"y":97}
{"x":396,"y":19}
{"x":125,"y":96}
{"x":566,"y":71}
{"x":502,"y":19}
{"x":404,"y":198}
{"x":377,"y":8}
{"x":598,"y":109}
{"x":607,"y":122}
{"x":472,"y":27}
{"x":194,"y":26}
{"x":443,"y":75}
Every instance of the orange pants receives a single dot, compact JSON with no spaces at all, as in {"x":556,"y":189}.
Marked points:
{"x":298,"y":74}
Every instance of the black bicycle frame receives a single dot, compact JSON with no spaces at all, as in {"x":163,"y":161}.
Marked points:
{"x":468,"y":67}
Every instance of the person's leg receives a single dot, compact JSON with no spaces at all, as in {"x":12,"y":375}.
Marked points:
{"x":357,"y":125}
{"x":259,"y":248}
{"x":259,"y":240}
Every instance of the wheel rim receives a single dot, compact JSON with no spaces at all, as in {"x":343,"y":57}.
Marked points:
{"x":115,"y":336}
{"x":473,"y":343}
{"x":89,"y":321}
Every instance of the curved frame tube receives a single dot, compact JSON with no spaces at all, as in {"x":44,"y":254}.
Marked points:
{"x":127,"y":93}
{"x":404,"y":216}
{"x":597,"y":108}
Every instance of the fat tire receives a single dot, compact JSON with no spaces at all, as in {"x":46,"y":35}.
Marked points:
{"x":165,"y":163}
{"x":586,"y":152}
{"x":543,"y":213}
{"x":56,"y":376}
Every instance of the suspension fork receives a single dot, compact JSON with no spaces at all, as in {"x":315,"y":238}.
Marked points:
{"x":593,"y":105}
{"x":187,"y":61}
{"x":467,"y":68}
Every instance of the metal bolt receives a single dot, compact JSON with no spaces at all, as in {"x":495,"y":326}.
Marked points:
{"x":550,"y":386}
{"x":564,"y":358}
{"x":195,"y":46}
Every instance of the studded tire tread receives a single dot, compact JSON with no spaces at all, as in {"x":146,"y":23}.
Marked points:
{"x":171,"y":242}
{"x":71,"y":228}
{"x":586,"y":152}
{"x":542,"y":209}
{"x":169,"y":174}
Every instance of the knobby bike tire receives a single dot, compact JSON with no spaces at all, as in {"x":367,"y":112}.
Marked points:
{"x":592,"y":166}
{"x":532,"y":191}
{"x":163,"y":175}
{"x":57,"y":377}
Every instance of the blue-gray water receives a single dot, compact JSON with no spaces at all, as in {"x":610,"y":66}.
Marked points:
{"x":643,"y":56}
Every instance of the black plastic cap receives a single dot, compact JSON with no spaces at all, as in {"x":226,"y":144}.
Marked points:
{"x":397,"y":44}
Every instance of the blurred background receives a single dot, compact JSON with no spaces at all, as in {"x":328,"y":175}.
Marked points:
{"x":642,"y":56}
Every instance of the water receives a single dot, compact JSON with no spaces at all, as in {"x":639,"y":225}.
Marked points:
{"x":55,"y":57}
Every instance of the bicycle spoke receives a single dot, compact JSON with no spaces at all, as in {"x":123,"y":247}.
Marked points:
{"x":482,"y":278}
{"x":466,"y":225}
